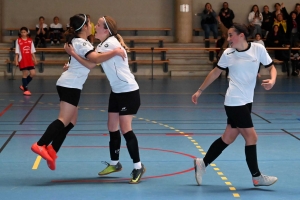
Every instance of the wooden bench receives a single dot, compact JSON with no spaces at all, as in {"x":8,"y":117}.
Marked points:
{"x":135,"y":30}
{"x":12,"y":30}
{"x":138,"y":40}
{"x":134,"y":64}
{"x":162,"y":51}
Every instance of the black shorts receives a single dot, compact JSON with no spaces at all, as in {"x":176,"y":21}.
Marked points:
{"x":27,"y":68}
{"x":239,"y":116}
{"x":126,"y":103}
{"x":69,"y":95}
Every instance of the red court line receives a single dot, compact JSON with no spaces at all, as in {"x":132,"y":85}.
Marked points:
{"x":6,"y":109}
{"x":126,"y":179}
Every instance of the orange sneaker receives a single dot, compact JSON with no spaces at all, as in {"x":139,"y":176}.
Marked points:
{"x":42,"y":151}
{"x":21,"y":87}
{"x":27,"y":93}
{"x":52,"y":154}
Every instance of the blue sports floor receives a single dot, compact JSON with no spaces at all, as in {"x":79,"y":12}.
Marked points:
{"x":171,"y":131}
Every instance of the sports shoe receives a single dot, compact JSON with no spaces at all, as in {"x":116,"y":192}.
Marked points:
{"x":42,"y":151}
{"x":27,"y":93}
{"x":21,"y":87}
{"x":57,"y":42}
{"x":52,"y":154}
{"x":137,"y":175}
{"x":110,"y":168}
{"x":52,"y":43}
{"x":199,"y":169}
{"x":264,"y":180}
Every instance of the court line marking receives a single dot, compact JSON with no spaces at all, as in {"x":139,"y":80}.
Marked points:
{"x":31,"y":109}
{"x":7,"y":141}
{"x":6,"y":109}
{"x":290,"y":134}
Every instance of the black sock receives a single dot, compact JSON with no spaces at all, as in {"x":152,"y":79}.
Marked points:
{"x":52,"y":131}
{"x":24,"y":83}
{"x":114,"y":145}
{"x":251,"y":159}
{"x":60,"y":138}
{"x":132,"y":146}
{"x":29,"y":78}
{"x":214,"y":151}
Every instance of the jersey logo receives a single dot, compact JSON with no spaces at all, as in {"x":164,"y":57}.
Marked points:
{"x":230,"y":52}
{"x":106,"y":45}
{"x":124,"y":109}
{"x":84,"y":44}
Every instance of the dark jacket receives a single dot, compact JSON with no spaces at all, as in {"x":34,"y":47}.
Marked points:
{"x":227,"y":19}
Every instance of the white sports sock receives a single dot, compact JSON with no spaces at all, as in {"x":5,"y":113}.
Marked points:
{"x":137,"y":165}
{"x":114,"y":162}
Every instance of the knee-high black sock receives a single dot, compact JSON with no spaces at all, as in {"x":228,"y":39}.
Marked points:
{"x":214,"y":151}
{"x":60,"y":138}
{"x":251,"y":159}
{"x":29,"y":78}
{"x":114,"y":145}
{"x":24,"y":83}
{"x":52,"y":131}
{"x":132,"y":146}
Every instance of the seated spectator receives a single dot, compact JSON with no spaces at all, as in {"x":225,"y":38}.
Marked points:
{"x":91,"y":37}
{"x":226,"y":15}
{"x":268,"y":21}
{"x":258,"y":39}
{"x":41,"y":33}
{"x":255,"y":19}
{"x":67,"y":33}
{"x":293,"y":29}
{"x":295,"y":60}
{"x":276,"y":39}
{"x":278,"y":10}
{"x":56,"y":31}
{"x":282,"y":25}
{"x":208,"y":21}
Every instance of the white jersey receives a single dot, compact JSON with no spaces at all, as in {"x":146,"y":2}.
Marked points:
{"x":243,"y":67}
{"x":77,"y":74}
{"x":116,"y":69}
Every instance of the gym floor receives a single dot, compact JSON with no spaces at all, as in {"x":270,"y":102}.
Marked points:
{"x":171,"y":132}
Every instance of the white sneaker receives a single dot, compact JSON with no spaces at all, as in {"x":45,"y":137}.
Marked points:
{"x":57,"y":43}
{"x":52,"y":43}
{"x":264,"y":180}
{"x":199,"y":169}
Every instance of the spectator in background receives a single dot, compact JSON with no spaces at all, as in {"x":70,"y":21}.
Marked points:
{"x":56,"y":31}
{"x":41,"y":33}
{"x":91,"y":37}
{"x":268,"y":20}
{"x":278,"y":10}
{"x":282,"y":25}
{"x":67,"y":33}
{"x":258,"y":39}
{"x":255,"y":19}
{"x":293,"y":29}
{"x":208,"y":21}
{"x":276,"y":39}
{"x":226,"y":15}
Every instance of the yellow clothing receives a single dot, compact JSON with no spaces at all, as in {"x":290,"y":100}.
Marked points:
{"x":283,"y":23}
{"x":93,"y":31}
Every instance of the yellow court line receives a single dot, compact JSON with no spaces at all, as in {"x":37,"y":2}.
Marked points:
{"x":36,"y":162}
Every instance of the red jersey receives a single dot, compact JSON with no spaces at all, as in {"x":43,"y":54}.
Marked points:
{"x":25,"y":49}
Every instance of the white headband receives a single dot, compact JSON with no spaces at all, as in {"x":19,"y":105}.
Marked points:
{"x":107,"y":26}
{"x":82,"y":23}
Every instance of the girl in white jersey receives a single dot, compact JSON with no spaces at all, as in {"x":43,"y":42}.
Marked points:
{"x":69,"y":87}
{"x":243,"y":60}
{"x":124,"y":99}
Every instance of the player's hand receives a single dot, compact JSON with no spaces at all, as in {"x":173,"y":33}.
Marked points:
{"x":66,"y":67}
{"x":196,"y":96}
{"x":69,"y":49}
{"x":268,"y":84}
